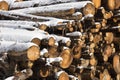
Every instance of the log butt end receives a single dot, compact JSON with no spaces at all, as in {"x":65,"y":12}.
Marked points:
{"x":33,"y":53}
{"x":67,"y":58}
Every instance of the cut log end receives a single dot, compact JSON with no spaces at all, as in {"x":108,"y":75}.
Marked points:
{"x":63,"y":76}
{"x":97,"y":3}
{"x":43,"y":27}
{"x":4,"y":5}
{"x":36,"y":41}
{"x":89,"y":9}
{"x":44,"y":73}
{"x":33,"y":53}
{"x":116,"y":63}
{"x":67,"y":58}
{"x":111,"y":4}
{"x":51,"y":41}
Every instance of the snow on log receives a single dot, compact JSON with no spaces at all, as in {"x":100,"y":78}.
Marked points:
{"x":62,"y":40}
{"x":4,"y":5}
{"x":60,"y":7}
{"x":28,"y":27}
{"x":67,"y":58}
{"x":62,"y":75}
{"x":35,"y":3}
{"x":29,"y":17}
{"x":20,"y":35}
{"x":19,"y":22}
{"x":17,"y":49}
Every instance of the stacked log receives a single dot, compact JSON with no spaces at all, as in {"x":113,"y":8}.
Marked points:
{"x":58,"y":40}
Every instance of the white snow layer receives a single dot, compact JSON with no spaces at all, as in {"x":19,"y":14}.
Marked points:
{"x":11,"y":45}
{"x":21,"y":35}
{"x":56,"y":7}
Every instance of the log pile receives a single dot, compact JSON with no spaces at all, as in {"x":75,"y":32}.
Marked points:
{"x":59,"y":40}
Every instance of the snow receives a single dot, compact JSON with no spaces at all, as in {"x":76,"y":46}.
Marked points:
{"x":77,"y":13}
{"x":59,"y":73}
{"x":76,"y":33}
{"x":59,"y":38}
{"x":89,"y":15}
{"x":73,"y":77}
{"x":31,"y":3}
{"x":10,"y":78}
{"x":56,"y":7}
{"x":12,"y":45}
{"x":43,"y":51}
{"x":20,"y":35}
{"x":17,"y":26}
{"x":19,"y":22}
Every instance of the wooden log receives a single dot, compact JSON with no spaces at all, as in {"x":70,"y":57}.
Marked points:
{"x":111,"y":4}
{"x":105,"y":75}
{"x":30,"y":36}
{"x":15,"y":49}
{"x":33,"y":3}
{"x":107,"y":52}
{"x":19,"y":26}
{"x":20,"y":16}
{"x":53,"y":52}
{"x":75,"y":16}
{"x":67,"y":58}
{"x":116,"y":63}
{"x":48,"y":41}
{"x":19,"y":22}
{"x":109,"y":37}
{"x":23,"y":74}
{"x":61,"y":75}
{"x":63,"y":41}
{"x":97,"y":3}
{"x":4,"y":5}
{"x":59,"y":7}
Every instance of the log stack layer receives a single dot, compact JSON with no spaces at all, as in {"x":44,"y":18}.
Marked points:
{"x":60,"y":40}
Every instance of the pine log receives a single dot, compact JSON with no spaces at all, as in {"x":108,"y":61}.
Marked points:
{"x":116,"y":63}
{"x":61,"y":7}
{"x":19,"y":26}
{"x":105,"y":75}
{"x":4,"y":5}
{"x":19,"y":22}
{"x":110,"y":4}
{"x":20,"y":16}
{"x":23,"y":74}
{"x":97,"y":3}
{"x":63,"y":41}
{"x":53,"y":52}
{"x":16,"y":50}
{"x":67,"y":58}
{"x":33,"y":3}
{"x":10,"y":34}
{"x":61,"y":75}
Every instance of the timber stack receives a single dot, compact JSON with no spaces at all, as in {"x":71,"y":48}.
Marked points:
{"x":59,"y":39}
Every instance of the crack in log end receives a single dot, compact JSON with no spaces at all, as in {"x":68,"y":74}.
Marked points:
{"x":33,"y":53}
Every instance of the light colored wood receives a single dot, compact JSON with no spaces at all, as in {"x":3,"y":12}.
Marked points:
{"x":4,"y":5}
{"x":97,"y":3}
{"x":67,"y":58}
